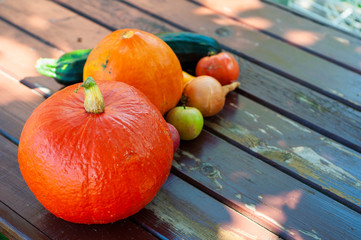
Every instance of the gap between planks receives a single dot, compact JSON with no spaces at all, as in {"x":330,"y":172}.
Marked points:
{"x":299,"y":14}
{"x":301,"y":121}
{"x":287,"y":171}
{"x":10,"y":224}
{"x":278,"y":37}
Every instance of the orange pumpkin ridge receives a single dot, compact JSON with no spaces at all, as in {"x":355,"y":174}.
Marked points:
{"x":95,"y":168}
{"x":142,"y":60}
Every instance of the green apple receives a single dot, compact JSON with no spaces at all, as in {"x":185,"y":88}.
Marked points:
{"x":187,"y":120}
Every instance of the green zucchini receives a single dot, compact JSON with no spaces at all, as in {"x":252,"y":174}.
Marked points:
{"x":67,"y":70}
{"x":189,"y":48}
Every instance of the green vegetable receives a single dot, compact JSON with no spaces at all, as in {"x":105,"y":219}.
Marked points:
{"x":189,"y":48}
{"x":2,"y":237}
{"x":67,"y":70}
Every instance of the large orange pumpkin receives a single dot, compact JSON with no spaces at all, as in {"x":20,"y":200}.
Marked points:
{"x":142,"y":60}
{"x":95,"y":167}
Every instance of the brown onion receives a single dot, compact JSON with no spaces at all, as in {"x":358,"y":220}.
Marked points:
{"x":207,"y":95}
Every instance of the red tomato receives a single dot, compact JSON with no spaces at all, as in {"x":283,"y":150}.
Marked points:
{"x":222,"y":66}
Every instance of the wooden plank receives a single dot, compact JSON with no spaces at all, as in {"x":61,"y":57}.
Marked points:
{"x":302,"y":14}
{"x":332,"y":166}
{"x":19,"y":51}
{"x":46,"y":17}
{"x":261,"y":192}
{"x":271,"y":53}
{"x":15,"y":227}
{"x":181,"y":211}
{"x":18,"y":55}
{"x":17,"y":104}
{"x":302,"y":32}
{"x":65,"y":27}
{"x":330,"y":118}
{"x":114,"y":15}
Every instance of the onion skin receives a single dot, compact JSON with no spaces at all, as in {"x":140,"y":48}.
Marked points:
{"x":207,"y":94}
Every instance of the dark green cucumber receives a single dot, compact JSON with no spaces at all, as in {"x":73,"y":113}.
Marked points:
{"x":189,"y":48}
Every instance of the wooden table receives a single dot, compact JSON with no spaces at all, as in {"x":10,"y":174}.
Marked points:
{"x":282,"y":160}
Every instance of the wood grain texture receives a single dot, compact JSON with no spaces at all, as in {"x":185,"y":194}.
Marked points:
{"x":273,"y":199}
{"x":47,"y":18}
{"x":322,"y":114}
{"x":18,"y":56}
{"x":12,"y":63}
{"x":17,"y":104}
{"x":302,"y":32}
{"x":181,"y":211}
{"x":312,"y":156}
{"x":122,"y":15}
{"x":32,"y":33}
{"x":14,"y":227}
{"x":302,"y":14}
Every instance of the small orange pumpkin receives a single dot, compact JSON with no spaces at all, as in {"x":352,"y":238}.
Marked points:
{"x":97,"y":165}
{"x":142,"y":60}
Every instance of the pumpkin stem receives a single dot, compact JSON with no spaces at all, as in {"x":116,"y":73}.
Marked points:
{"x":128,"y":34}
{"x":94,"y":101}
